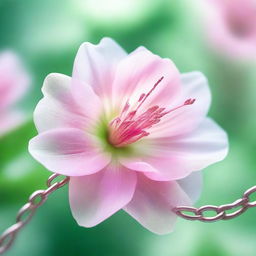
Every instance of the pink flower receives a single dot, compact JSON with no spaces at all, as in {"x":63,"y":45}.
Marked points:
{"x":231,"y":27}
{"x":130,"y":131}
{"x":13,"y":84}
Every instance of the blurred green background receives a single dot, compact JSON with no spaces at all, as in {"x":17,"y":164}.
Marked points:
{"x":47,"y":34}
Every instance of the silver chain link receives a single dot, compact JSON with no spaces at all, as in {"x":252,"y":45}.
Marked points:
{"x":28,"y":210}
{"x":186,"y":212}
{"x":222,"y":212}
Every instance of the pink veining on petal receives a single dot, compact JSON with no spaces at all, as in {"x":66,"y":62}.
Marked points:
{"x":131,"y":126}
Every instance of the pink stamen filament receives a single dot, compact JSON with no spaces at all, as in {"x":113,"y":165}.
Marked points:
{"x":130,"y":127}
{"x":144,"y":96}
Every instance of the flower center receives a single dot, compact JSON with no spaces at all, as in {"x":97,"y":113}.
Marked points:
{"x":130,"y":126}
{"x":240,"y":28}
{"x":241,"y":20}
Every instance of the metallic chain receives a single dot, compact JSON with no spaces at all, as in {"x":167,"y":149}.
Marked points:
{"x":28,"y":210}
{"x":190,"y":213}
{"x":223,"y":212}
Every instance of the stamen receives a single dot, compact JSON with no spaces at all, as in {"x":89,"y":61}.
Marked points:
{"x":142,"y":96}
{"x":126,"y":107}
{"x":130,"y":127}
{"x":187,"y":102}
{"x":146,"y":96}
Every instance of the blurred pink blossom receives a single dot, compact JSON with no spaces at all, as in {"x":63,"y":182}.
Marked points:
{"x":231,"y":27}
{"x":130,"y":131}
{"x":14,"y":81}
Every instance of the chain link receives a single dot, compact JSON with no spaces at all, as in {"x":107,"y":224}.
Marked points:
{"x":28,"y":210}
{"x":222,"y":212}
{"x":186,"y":212}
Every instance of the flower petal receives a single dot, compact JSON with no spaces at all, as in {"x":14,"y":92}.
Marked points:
{"x":95,"y":64}
{"x":176,"y":157}
{"x":192,"y":185}
{"x":156,"y":166}
{"x":58,"y":108}
{"x":194,"y":86}
{"x":138,"y":73}
{"x":10,"y":120}
{"x":94,"y":198}
{"x":230,"y":28}
{"x":14,"y":80}
{"x":204,"y":146}
{"x":152,"y":204}
{"x":69,"y":152}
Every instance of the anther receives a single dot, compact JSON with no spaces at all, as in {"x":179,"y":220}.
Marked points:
{"x":143,"y":97}
{"x":189,"y":101}
{"x":130,"y":126}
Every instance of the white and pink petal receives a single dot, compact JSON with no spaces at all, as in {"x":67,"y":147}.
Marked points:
{"x":157,"y":167}
{"x":10,"y":120}
{"x":69,"y":151}
{"x":173,"y":158}
{"x":153,"y":202}
{"x":59,"y":108}
{"x":198,"y":149}
{"x":14,"y":79}
{"x":95,"y":65}
{"x":187,"y":118}
{"x":94,"y":198}
{"x":192,"y":185}
{"x":138,"y":73}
